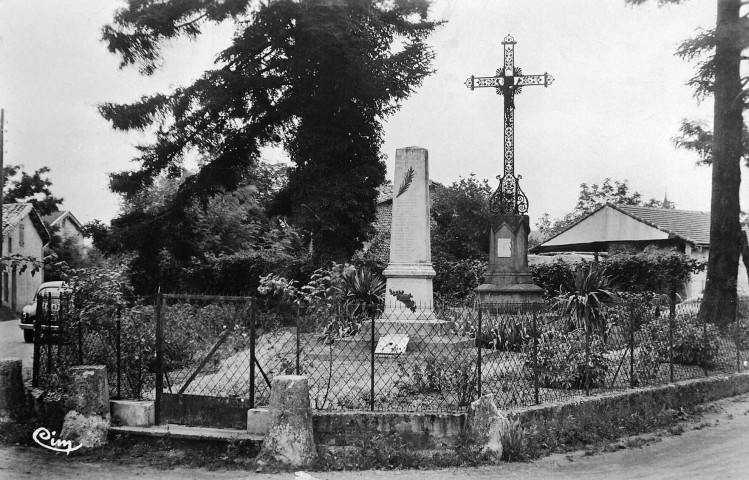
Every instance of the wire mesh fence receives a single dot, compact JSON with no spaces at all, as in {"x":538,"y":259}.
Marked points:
{"x":360,"y":356}
{"x":121,"y":339}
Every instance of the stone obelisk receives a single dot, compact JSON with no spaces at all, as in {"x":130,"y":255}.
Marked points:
{"x":410,"y":268}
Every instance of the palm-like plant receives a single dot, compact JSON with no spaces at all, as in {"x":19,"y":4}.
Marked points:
{"x":586,"y":298}
{"x":362,"y":285}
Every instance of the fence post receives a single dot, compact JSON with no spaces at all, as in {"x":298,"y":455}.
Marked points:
{"x":479,"y":341}
{"x":372,"y":366}
{"x":297,"y":340}
{"x":737,"y":341}
{"x":587,"y":354}
{"x":671,"y":318}
{"x":253,"y":313}
{"x":119,"y":353}
{"x":631,"y":344}
{"x":49,"y":334}
{"x":159,"y":356}
{"x":704,"y":344}
{"x":535,"y":358}
{"x":80,"y":338}
{"x":37,"y":342}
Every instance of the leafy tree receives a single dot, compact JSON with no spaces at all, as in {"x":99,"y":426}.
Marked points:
{"x":719,"y":52}
{"x":460,"y":220}
{"x":592,"y":197}
{"x":225,"y":235}
{"x":316,"y":76}
{"x":34,"y":189}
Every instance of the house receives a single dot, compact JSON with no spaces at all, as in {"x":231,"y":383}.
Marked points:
{"x":68,"y":226}
{"x":25,"y":234}
{"x":613,"y":227}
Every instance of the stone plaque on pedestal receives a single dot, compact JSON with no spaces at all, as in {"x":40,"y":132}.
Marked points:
{"x":508,"y":279}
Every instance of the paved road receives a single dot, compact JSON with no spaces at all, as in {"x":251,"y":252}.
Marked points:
{"x":716,"y":447}
{"x":12,"y":345}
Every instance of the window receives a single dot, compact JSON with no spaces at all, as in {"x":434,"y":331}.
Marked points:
{"x":10,"y":244}
{"x":21,"y":235}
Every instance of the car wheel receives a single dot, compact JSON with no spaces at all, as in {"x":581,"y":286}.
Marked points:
{"x":28,"y":336}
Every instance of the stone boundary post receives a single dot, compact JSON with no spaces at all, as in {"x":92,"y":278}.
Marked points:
{"x":87,"y":421}
{"x":11,"y":390}
{"x":289,"y":439}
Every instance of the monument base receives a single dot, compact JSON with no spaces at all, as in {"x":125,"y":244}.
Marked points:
{"x":424,"y":335}
{"x":510,"y":297}
{"x":414,"y":279}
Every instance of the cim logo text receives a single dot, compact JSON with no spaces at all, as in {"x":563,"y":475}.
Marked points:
{"x":44,"y":438}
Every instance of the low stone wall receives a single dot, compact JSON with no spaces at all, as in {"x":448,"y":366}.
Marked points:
{"x":627,"y":406}
{"x":424,"y":431}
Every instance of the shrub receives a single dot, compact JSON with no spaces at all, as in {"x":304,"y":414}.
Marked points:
{"x":341,"y":295}
{"x":456,"y":281}
{"x":506,"y":332}
{"x":561,"y":360}
{"x":739,"y":334}
{"x":453,"y":379}
{"x":237,"y":274}
{"x":652,"y":270}
{"x":551,"y":276}
{"x":693,"y":342}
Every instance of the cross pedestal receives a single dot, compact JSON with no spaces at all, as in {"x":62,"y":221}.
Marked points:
{"x":508,"y":278}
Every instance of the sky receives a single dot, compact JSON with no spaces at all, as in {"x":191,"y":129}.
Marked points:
{"x":617,"y":101}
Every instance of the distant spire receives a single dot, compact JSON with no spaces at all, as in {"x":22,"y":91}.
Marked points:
{"x":666,"y":202}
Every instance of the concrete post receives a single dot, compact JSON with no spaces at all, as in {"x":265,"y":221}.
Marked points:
{"x":87,"y":421}
{"x":11,"y":389}
{"x":289,"y":439}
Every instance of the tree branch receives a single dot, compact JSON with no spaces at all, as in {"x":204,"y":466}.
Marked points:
{"x":194,"y":20}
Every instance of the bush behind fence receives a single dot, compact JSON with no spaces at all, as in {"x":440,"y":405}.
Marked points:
{"x":234,"y":346}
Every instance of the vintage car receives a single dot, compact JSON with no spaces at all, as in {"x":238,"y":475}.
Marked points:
{"x":55,"y":290}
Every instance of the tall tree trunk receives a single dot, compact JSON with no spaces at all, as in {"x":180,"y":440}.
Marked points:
{"x":745,"y":252}
{"x":719,"y":302}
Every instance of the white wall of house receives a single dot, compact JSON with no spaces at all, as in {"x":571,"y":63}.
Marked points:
{"x":68,"y":229}
{"x":697,"y":282}
{"x":23,"y":240}
{"x":607,"y":225}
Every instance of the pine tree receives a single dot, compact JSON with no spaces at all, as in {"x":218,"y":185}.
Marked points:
{"x":719,"y":75}
{"x":314,"y":76}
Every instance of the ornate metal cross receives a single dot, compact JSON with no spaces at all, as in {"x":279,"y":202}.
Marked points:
{"x":508,"y":82}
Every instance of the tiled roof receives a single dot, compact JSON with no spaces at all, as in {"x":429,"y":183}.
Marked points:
{"x":384,"y":193}
{"x":52,"y":217}
{"x":689,"y":225}
{"x":13,"y":213}
{"x":59,"y":216}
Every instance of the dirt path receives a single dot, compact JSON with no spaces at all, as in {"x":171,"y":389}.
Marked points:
{"x":717,"y":446}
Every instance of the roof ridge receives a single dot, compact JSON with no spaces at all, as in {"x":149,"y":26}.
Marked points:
{"x":663,"y":209}
{"x":665,"y":229}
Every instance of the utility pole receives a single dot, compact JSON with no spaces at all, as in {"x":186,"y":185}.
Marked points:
{"x":2,"y":187}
